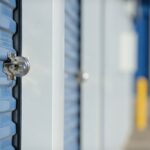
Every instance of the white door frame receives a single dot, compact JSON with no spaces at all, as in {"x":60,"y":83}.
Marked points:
{"x":58,"y":75}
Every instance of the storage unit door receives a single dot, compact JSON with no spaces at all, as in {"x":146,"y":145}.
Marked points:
{"x":9,"y":89}
{"x":72,"y":69}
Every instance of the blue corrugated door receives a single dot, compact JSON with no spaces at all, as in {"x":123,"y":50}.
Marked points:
{"x":142,"y":26}
{"x":72,"y":69}
{"x":7,"y":101}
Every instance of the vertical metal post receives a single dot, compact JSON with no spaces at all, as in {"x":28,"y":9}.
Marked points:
{"x":58,"y":75}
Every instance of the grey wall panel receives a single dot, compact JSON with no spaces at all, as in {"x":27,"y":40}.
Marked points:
{"x":37,"y":85}
{"x":92,"y":131}
{"x":118,"y":97}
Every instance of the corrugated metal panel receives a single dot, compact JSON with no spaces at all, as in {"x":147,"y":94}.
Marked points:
{"x":72,"y":68}
{"x":7,"y":102}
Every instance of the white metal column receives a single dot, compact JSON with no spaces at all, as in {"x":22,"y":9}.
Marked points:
{"x":43,"y":88}
{"x":58,"y":75}
{"x":91,"y":61}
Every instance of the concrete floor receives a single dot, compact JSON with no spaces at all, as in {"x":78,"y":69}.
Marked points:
{"x":140,"y":140}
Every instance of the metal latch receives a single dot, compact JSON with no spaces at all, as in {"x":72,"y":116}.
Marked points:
{"x":82,"y":77}
{"x":16,"y":66}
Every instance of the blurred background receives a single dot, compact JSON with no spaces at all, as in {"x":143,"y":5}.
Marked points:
{"x":106,"y":74}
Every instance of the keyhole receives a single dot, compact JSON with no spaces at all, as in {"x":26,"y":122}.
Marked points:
{"x":14,"y":67}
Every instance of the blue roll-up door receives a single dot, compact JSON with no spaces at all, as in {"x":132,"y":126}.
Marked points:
{"x":72,"y":69}
{"x":142,"y":26}
{"x":9,"y":116}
